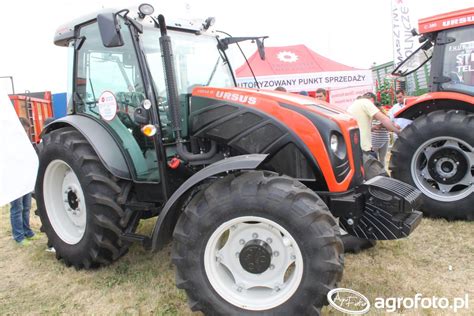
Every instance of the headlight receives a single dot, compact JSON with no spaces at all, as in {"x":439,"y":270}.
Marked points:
{"x":334,"y":143}
{"x":337,"y":145}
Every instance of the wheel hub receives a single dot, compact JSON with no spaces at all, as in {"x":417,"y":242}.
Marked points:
{"x":72,"y":199}
{"x":447,"y":166}
{"x":256,"y":256}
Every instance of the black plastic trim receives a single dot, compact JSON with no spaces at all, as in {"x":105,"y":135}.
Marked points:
{"x":272,"y":148}
{"x":163,"y":227}
{"x":100,"y":139}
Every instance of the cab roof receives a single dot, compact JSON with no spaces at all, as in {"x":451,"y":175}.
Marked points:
{"x":446,"y":21}
{"x":65,"y":33}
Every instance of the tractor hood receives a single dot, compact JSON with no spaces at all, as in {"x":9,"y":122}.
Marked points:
{"x":253,"y":121}
{"x":251,"y":97}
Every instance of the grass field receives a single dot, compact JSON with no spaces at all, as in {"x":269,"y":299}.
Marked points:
{"x":437,"y":260}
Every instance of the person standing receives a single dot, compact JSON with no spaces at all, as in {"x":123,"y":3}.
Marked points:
{"x":20,"y":209}
{"x":364,"y":111}
{"x":380,"y":138}
{"x":402,"y":122}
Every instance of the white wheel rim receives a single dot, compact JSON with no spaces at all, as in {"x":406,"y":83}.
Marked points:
{"x":64,"y":202}
{"x":433,"y":188}
{"x":247,"y":290}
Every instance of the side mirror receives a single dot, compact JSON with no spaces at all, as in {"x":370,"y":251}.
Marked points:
{"x":261,"y":49}
{"x":109,"y":30}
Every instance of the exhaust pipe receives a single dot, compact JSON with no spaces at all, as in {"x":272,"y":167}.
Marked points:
{"x":173,"y":98}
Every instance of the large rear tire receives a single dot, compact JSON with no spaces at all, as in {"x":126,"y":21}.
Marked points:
{"x":77,"y":202}
{"x":257,"y":243}
{"x":436,"y":154}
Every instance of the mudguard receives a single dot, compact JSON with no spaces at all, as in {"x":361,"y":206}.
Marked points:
{"x":100,"y":139}
{"x":434,"y":101}
{"x":168,"y":216}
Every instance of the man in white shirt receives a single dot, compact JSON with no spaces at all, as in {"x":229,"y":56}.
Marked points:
{"x":402,"y":122}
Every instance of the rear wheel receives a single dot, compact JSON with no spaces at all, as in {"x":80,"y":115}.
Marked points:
{"x":436,"y":154}
{"x":254,"y":243}
{"x":78,"y":202}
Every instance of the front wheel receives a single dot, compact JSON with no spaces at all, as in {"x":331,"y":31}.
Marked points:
{"x":436,"y":154}
{"x":257,"y":242}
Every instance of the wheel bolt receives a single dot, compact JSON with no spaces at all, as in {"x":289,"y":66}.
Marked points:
{"x":457,"y":162}
{"x":435,"y":160}
{"x":241,"y":241}
{"x":239,"y":289}
{"x":254,"y":235}
{"x":272,"y":267}
{"x":444,"y":179}
{"x":219,"y":259}
{"x":237,"y":254}
{"x":277,"y":289}
{"x":276,"y":254}
{"x":293,"y":257}
{"x":269,"y":240}
{"x":233,"y":227}
{"x":350,"y":222}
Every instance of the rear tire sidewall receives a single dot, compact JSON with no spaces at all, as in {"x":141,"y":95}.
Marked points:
{"x":414,"y":136}
{"x":76,"y":251}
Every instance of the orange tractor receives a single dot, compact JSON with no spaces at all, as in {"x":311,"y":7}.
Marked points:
{"x":435,"y":152}
{"x":248,"y":183}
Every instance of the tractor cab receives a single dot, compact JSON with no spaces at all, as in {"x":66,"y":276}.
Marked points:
{"x":114,"y":73}
{"x":448,"y":41}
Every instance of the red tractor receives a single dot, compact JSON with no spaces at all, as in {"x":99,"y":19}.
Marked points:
{"x":248,"y":183}
{"x":436,"y":152}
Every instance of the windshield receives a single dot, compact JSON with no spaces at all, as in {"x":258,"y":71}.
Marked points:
{"x":458,"y":62}
{"x":198,"y":62}
{"x":415,"y":60}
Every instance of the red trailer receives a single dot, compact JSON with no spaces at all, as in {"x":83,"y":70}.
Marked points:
{"x":35,"y":109}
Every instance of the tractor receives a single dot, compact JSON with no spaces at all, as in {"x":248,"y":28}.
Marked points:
{"x":247,"y":183}
{"x":435,"y":153}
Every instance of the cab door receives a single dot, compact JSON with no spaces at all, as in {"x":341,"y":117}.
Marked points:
{"x":109,"y":87}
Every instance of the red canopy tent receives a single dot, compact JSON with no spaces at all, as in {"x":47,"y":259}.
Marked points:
{"x":298,"y":68}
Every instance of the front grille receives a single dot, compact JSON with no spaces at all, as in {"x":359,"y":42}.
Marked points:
{"x":342,"y":169}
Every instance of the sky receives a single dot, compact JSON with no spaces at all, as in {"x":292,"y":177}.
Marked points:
{"x":355,"y":33}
